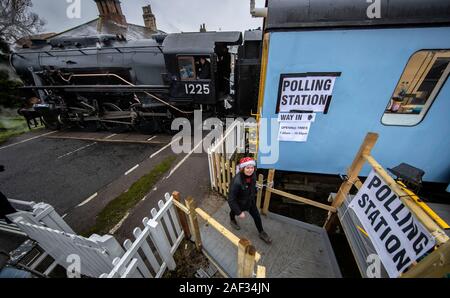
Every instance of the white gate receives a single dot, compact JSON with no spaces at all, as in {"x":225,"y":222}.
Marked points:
{"x":152,"y":251}
{"x":95,"y":253}
{"x":148,"y":256}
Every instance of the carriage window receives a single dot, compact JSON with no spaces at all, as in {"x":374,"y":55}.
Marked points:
{"x":186,"y":68}
{"x":420,"y":83}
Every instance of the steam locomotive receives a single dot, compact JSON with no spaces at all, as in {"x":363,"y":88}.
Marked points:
{"x":108,"y":82}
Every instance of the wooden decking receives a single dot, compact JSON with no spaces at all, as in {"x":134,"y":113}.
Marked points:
{"x":298,"y":249}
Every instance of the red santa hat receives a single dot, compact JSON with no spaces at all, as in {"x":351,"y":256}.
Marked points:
{"x":246,"y":161}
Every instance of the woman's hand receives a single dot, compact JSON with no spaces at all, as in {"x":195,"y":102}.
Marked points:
{"x":242,"y":215}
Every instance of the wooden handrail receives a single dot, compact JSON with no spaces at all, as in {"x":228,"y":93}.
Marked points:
{"x":181,"y":207}
{"x":222,"y":230}
{"x":352,"y":173}
{"x":302,"y":200}
{"x":435,"y":265}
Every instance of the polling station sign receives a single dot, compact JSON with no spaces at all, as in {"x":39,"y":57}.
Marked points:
{"x":397,"y":236}
{"x":306,"y":92}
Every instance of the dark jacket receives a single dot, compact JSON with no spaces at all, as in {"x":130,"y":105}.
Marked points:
{"x":242,"y":195}
{"x":205,"y":71}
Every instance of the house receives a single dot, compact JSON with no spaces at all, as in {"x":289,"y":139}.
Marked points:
{"x":111,"y":20}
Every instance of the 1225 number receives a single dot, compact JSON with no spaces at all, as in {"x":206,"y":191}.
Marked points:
{"x":200,"y":89}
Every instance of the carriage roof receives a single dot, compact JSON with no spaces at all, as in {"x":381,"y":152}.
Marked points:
{"x":298,"y":14}
{"x":199,"y":42}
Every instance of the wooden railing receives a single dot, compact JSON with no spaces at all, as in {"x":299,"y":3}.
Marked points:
{"x":437,"y":263}
{"x":269,"y":190}
{"x":247,"y":256}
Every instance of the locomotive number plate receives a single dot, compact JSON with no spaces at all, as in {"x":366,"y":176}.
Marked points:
{"x":197,"y":89}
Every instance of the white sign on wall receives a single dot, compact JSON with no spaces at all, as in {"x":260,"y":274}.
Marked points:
{"x":397,"y":236}
{"x":294,"y":131}
{"x":296,"y":117}
{"x":305,"y":92}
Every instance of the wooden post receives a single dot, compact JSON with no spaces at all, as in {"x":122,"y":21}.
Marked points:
{"x":214,"y":171}
{"x":162,"y":243}
{"x":224,"y":175}
{"x":182,"y":216}
{"x":268,"y":193}
{"x":260,"y":272}
{"x":352,"y":173}
{"x":228,"y":176}
{"x":246,"y":259}
{"x":435,"y":265}
{"x":191,"y":205}
{"x":260,"y":190}
{"x":233,"y":168}
{"x":218,"y":174}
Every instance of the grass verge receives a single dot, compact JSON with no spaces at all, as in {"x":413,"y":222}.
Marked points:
{"x":12,"y":127}
{"x":117,"y":208}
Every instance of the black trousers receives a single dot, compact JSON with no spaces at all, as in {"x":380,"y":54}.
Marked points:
{"x":254,"y":212}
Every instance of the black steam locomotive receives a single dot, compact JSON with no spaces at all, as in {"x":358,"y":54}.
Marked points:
{"x":108,"y":82}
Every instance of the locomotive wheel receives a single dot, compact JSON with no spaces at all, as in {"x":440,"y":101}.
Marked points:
{"x":51,"y":121}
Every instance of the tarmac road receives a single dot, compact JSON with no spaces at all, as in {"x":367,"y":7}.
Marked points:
{"x":64,"y":172}
{"x":79,"y":177}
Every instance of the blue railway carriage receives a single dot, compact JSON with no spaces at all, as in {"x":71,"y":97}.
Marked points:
{"x":359,"y":66}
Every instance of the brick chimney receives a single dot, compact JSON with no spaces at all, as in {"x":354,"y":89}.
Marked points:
{"x":149,"y":18}
{"x":110,"y":10}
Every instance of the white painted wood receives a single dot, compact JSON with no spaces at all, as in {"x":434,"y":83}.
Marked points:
{"x":170,"y":228}
{"x":140,"y":263}
{"x":131,"y":271}
{"x":102,"y":256}
{"x":161,"y":243}
{"x":177,"y":243}
{"x":50,"y":268}
{"x":147,"y":251}
{"x":154,"y":214}
{"x":173,"y":215}
{"x":231,"y":141}
{"x":59,"y":245}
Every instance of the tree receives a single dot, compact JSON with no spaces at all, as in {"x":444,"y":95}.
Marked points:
{"x":9,"y":93}
{"x":17,"y":21}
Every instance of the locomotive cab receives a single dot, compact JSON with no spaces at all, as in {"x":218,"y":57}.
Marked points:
{"x":199,"y":66}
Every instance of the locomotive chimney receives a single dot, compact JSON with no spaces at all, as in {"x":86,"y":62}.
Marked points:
{"x":111,"y":10}
{"x":149,"y":18}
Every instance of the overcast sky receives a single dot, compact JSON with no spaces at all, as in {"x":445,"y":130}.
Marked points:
{"x":171,"y":15}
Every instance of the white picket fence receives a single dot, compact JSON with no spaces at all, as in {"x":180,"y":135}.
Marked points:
{"x":152,"y":251}
{"x":102,"y":256}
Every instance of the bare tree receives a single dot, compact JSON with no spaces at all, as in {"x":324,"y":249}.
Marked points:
{"x":17,"y":21}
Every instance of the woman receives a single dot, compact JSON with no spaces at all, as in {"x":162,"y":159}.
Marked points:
{"x":242,"y":197}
